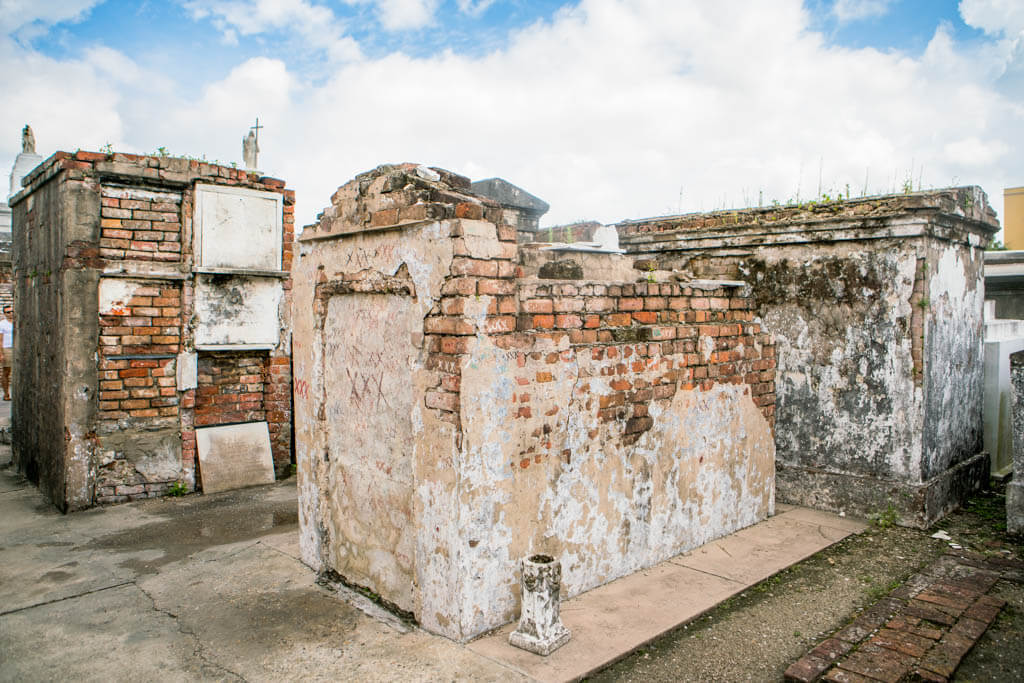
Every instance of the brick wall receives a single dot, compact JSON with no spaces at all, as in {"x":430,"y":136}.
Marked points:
{"x":655,"y":338}
{"x":277,"y":402}
{"x":140,"y":224}
{"x":690,"y":339}
{"x":137,"y":388}
{"x":147,"y":323}
{"x":231,"y":387}
{"x":135,"y":215}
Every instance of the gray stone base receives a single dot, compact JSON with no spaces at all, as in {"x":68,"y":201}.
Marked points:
{"x":544,"y":647}
{"x":914,"y":505}
{"x":1015,"y":507}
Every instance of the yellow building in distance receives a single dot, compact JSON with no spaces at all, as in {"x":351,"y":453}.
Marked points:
{"x":1013,"y":221}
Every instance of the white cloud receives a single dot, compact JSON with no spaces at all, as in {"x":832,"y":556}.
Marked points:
{"x":68,"y":104}
{"x":401,"y":15}
{"x":474,"y":8}
{"x":854,"y":10}
{"x":316,"y":25}
{"x":975,"y":152}
{"x":17,"y":13}
{"x":995,"y":17}
{"x":613,"y":109}
{"x":114,"y":65}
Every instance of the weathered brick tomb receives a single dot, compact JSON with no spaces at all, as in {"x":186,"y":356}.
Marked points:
{"x":153,"y":300}
{"x":456,"y":410}
{"x":875,"y":306}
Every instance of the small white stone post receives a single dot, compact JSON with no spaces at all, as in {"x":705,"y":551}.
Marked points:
{"x":540,"y":627}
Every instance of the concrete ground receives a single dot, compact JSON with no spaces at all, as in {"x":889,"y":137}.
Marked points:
{"x":210,"y":587}
{"x":194,"y":588}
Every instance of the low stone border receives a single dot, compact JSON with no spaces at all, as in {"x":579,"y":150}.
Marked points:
{"x":921,"y":631}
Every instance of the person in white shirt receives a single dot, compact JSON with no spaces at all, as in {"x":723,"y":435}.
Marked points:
{"x":7,"y":346}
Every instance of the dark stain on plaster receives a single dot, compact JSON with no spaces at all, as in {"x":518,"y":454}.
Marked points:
{"x":230,"y":299}
{"x":832,"y":281}
{"x":841,"y":302}
{"x":566,"y":269}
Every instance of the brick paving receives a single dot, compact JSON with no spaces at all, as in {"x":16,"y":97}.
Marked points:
{"x":921,"y":631}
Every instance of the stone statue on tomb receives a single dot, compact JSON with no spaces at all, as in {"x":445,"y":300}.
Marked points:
{"x":28,"y":140}
{"x":250,"y":149}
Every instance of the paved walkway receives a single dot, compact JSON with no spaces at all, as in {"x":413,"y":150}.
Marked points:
{"x":210,"y":587}
{"x":921,"y":631}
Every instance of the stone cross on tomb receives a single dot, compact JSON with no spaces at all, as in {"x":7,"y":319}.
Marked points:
{"x":251,"y":146}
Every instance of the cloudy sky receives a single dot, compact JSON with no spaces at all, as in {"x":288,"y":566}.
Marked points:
{"x":607,"y":109}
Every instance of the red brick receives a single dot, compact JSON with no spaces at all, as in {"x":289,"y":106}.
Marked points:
{"x":384,"y":217}
{"x":806,"y":669}
{"x":113,"y":396}
{"x":631,"y":304}
{"x":467,"y":266}
{"x":538,"y":306}
{"x":945,"y":656}
{"x":645,"y":317}
{"x":942,"y":603}
{"x":145,"y":392}
{"x":925,"y":611}
{"x":469,"y":210}
{"x":619,"y":320}
{"x":831,"y":649}
{"x":878,"y":663}
{"x":969,"y":628}
{"x":901,"y":641}
{"x":543,"y":321}
{"x":567,"y":321}
{"x":134,"y":404}
{"x":568,"y":304}
{"x":496,"y":287}
{"x":499,"y":324}
{"x":654,"y":303}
